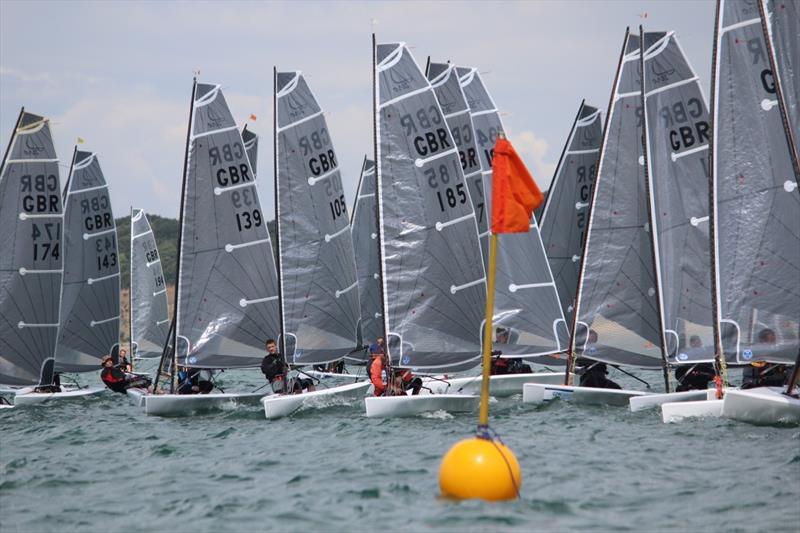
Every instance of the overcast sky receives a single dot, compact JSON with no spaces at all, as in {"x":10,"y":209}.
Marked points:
{"x":118,"y":74}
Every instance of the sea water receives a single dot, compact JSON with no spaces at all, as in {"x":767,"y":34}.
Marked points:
{"x":99,"y":464}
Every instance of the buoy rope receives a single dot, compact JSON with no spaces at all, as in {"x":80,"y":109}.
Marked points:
{"x":487,"y":433}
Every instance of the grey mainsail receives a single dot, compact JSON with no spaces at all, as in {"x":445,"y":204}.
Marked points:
{"x":526,"y":299}
{"x":90,"y":314}
{"x":31,"y":262}
{"x":450,"y":95}
{"x":148,"y":292}
{"x":784,"y":16}
{"x":565,"y":214}
{"x":755,"y":201}
{"x":250,"y":140}
{"x":364,"y":231}
{"x":677,"y":129}
{"x":617,"y":297}
{"x":433,"y":281}
{"x":317,"y":271}
{"x":227,"y":292}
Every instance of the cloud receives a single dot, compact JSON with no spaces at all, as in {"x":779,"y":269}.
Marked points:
{"x":534,"y":151}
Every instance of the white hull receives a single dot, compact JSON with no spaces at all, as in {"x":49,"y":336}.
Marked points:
{"x":187,"y":404}
{"x":136,"y":396}
{"x":400,"y":406}
{"x":651,"y":401}
{"x":538,"y":393}
{"x":761,"y":406}
{"x":277,"y":406}
{"x":33,"y":398}
{"x":677,"y":411}
{"x":499,"y":386}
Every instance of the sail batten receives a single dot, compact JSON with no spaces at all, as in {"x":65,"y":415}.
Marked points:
{"x":31,"y":265}
{"x":317,"y":264}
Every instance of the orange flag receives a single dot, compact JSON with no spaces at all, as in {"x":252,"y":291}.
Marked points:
{"x":514,"y":193}
{"x":253,"y":118}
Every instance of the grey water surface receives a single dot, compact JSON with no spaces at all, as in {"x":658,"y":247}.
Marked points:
{"x":102,"y":465}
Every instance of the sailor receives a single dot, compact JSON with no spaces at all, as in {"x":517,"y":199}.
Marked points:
{"x":276,"y":371}
{"x":117,"y":380}
{"x":378,"y":366}
{"x":697,"y":376}
{"x":502,"y":366}
{"x":594,"y":372}
{"x":124,"y":365}
{"x":189,"y":382}
{"x":405,"y":380}
{"x":763,"y":374}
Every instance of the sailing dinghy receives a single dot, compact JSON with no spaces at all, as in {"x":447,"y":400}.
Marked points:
{"x":617,"y":317}
{"x":319,"y":299}
{"x":755,"y":206}
{"x":433,"y":284}
{"x":226,"y":293}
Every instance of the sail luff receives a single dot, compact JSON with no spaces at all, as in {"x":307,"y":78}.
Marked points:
{"x":176,"y":308}
{"x":379,"y":193}
{"x":571,"y":355}
{"x":654,"y":248}
{"x":277,"y":202}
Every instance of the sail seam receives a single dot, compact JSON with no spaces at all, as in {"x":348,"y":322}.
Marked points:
{"x":212,"y":132}
{"x":671,"y":86}
{"x":300,"y":121}
{"x":404,"y":96}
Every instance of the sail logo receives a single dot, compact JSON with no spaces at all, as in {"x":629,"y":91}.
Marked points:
{"x":661,"y":76}
{"x":297,"y":105}
{"x":214,"y":120}
{"x":31,"y":148}
{"x":683,"y":356}
{"x":400,"y":82}
{"x":747,"y":355}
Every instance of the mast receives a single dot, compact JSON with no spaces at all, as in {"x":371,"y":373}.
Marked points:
{"x":575,"y":312}
{"x":130,"y":294}
{"x":719,"y":357}
{"x":279,"y":265}
{"x":650,"y":209}
{"x":378,"y":198}
{"x":176,"y":324}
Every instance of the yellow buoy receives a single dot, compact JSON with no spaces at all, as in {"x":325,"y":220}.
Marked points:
{"x":480,"y":468}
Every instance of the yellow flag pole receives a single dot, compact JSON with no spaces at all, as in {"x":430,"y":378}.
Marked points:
{"x":483,"y":418}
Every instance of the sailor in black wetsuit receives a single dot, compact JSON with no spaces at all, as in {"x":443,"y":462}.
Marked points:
{"x":594,"y":372}
{"x":697,"y":376}
{"x":275,"y":369}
